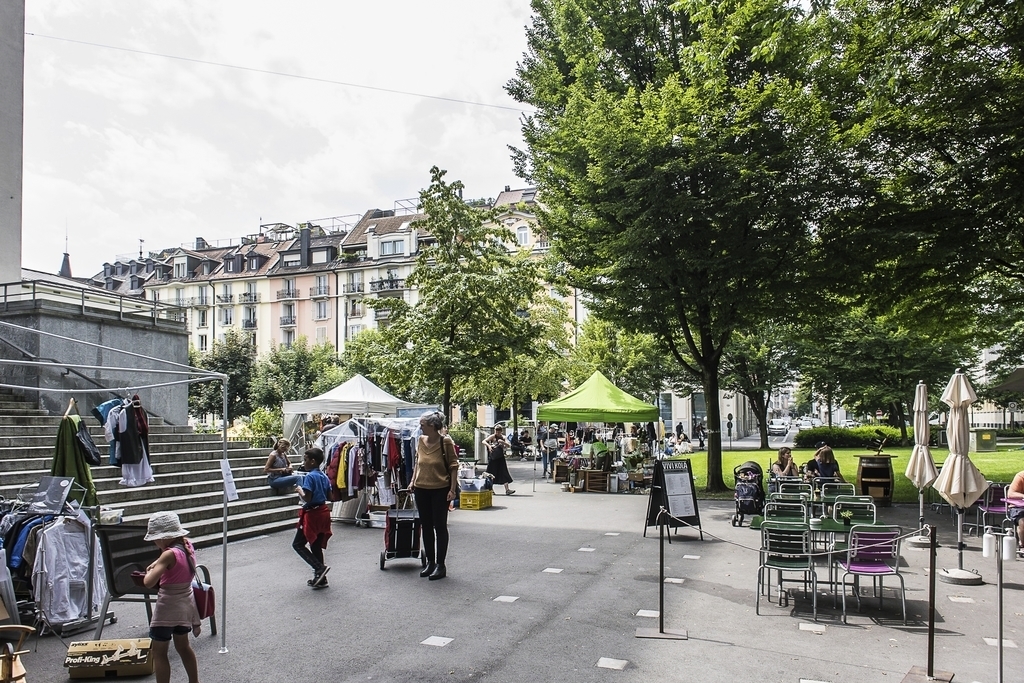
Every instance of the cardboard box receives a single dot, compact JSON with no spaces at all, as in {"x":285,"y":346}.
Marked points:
{"x":110,"y":658}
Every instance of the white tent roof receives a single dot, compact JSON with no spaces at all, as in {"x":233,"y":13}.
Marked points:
{"x":357,"y":396}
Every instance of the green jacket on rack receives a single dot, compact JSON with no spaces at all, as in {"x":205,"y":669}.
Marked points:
{"x":69,"y":462}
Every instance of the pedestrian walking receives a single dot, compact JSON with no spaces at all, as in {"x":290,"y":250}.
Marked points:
{"x":314,"y":528}
{"x":433,"y":485}
{"x":174,"y":614}
{"x":496,"y":445}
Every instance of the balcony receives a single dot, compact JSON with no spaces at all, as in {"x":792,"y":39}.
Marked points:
{"x":357,"y":313}
{"x":225,"y":298}
{"x":248,"y":324}
{"x":287,"y":294}
{"x":287,"y":321}
{"x":319,"y":292}
{"x":387,"y":285}
{"x":198,"y":302}
{"x":248,"y":298}
{"x":353,"y":287}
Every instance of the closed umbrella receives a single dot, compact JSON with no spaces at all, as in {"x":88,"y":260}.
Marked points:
{"x":921,"y":469}
{"x":960,"y":482}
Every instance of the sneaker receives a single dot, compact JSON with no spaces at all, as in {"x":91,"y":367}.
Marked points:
{"x":509,"y":492}
{"x":322,"y":584}
{"x":320,"y":579}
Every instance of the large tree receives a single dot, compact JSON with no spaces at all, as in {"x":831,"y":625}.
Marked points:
{"x":633,"y":361}
{"x":470,"y":287}
{"x":536,"y":367}
{"x":235,"y":356}
{"x":290,"y":373}
{"x":757,"y":364}
{"x":682,"y":159}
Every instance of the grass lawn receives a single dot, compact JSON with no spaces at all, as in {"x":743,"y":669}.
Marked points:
{"x":997,"y":466}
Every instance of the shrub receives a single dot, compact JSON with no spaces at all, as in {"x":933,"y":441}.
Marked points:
{"x":462,"y":435}
{"x":263,"y":426}
{"x":838,"y":437}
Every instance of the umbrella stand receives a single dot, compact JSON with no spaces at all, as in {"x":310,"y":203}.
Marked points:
{"x":960,"y":576}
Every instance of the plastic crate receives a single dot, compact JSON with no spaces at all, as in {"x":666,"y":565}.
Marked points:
{"x":475,"y":500}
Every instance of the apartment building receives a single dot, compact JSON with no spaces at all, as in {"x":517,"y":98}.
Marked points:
{"x":286,"y":282}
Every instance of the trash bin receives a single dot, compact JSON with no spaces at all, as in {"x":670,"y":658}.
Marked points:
{"x":983,"y":440}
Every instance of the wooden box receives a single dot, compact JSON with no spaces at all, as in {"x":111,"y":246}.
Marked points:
{"x":475,"y":500}
{"x":561,"y":472}
{"x":595,"y":480}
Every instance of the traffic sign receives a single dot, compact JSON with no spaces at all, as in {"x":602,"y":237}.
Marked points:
{"x":878,"y":413}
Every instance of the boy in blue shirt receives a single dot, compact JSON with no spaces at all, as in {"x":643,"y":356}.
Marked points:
{"x":315,"y":518}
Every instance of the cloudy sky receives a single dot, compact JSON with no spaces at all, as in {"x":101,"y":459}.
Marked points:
{"x":122,"y":146}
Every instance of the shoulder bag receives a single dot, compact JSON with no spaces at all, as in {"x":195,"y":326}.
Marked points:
{"x":202,"y":593}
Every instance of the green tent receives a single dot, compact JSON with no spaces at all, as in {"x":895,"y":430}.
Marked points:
{"x":597,"y":400}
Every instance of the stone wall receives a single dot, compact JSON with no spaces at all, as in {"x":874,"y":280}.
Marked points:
{"x":163,"y":342}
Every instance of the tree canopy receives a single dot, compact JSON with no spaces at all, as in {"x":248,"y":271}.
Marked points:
{"x":682,"y":159}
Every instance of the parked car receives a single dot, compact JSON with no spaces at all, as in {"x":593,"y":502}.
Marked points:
{"x":777,"y":427}
{"x":804,"y":423}
{"x":850,"y":424}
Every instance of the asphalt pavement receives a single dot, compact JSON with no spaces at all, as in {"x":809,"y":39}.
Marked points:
{"x":511,"y":617}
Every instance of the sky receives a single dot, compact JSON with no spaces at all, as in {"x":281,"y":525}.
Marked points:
{"x":122,"y":146}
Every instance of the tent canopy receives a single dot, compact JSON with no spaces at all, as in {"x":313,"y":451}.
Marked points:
{"x":357,"y":396}
{"x":1013,"y":382}
{"x":597,"y":400}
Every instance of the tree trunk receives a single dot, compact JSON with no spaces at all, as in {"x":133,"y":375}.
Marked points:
{"x":716,"y":483}
{"x":760,"y":403}
{"x":446,"y":400}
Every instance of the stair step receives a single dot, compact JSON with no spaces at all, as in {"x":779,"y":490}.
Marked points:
{"x":156,"y":447}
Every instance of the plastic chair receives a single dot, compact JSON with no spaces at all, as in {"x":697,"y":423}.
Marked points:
{"x":784,"y":511}
{"x":12,"y":642}
{"x":862,"y":512}
{"x":991,"y":503}
{"x":790,"y":498}
{"x":796,"y":487}
{"x":832,"y":490}
{"x":873,"y":551}
{"x":786,"y":548}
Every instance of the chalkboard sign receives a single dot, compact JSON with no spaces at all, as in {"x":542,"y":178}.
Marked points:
{"x":673,"y":489}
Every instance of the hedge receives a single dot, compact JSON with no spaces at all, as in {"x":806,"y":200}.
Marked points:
{"x":858,"y":437}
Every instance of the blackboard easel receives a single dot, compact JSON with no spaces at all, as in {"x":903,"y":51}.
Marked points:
{"x":673,"y":489}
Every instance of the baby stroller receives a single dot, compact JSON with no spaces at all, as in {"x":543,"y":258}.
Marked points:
{"x":749,"y":491}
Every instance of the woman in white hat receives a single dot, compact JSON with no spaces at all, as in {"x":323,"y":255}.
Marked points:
{"x":175,"y":613}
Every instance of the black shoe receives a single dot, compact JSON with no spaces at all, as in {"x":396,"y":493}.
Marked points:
{"x":322,"y":584}
{"x":321,"y":577}
{"x":429,"y":569}
{"x":439,"y":573}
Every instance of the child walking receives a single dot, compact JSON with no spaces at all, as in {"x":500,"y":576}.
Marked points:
{"x":314,"y":518}
{"x":175,"y":613}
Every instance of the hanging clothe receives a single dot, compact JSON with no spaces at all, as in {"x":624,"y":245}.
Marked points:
{"x":68,"y":462}
{"x":134,"y":441}
{"x":60,"y":574}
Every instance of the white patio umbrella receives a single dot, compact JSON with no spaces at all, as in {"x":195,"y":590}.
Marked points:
{"x":959,"y":482}
{"x":921,"y":469}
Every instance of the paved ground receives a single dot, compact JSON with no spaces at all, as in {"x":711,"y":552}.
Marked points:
{"x":369,"y":625}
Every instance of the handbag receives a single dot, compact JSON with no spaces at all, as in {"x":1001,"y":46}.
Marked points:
{"x":86,"y":446}
{"x":202,"y":593}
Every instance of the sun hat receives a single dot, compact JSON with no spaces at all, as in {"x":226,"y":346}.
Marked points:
{"x":164,"y":525}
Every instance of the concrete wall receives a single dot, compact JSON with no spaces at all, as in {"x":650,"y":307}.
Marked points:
{"x":171,"y":403}
{"x":12,"y":118}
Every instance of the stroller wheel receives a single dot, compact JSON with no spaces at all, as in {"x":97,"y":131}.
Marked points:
{"x":382,"y":558}
{"x":735,"y":520}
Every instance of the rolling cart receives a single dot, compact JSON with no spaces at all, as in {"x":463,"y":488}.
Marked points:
{"x":402,"y":537}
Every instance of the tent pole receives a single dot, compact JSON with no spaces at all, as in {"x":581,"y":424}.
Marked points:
{"x":224,"y":539}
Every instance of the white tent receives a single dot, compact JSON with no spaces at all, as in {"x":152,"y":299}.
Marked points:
{"x":357,"y":396}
